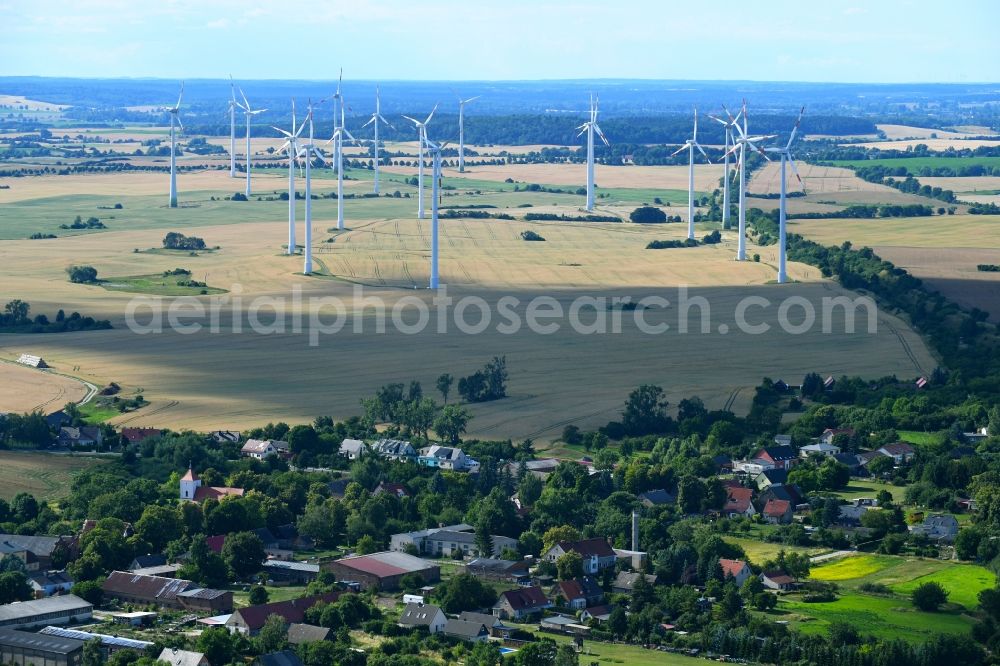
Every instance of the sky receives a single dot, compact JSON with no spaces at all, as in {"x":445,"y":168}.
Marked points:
{"x":768,"y":40}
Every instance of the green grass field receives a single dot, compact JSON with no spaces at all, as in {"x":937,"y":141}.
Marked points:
{"x":963,"y":583}
{"x":850,"y":568}
{"x":44,"y":475}
{"x":914,"y":164}
{"x":158,"y":285}
{"x":885,"y":617}
{"x":920,"y":438}
{"x":615,"y":653}
{"x":760,"y":551}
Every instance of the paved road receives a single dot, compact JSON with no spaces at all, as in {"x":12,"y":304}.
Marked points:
{"x":831,"y":556}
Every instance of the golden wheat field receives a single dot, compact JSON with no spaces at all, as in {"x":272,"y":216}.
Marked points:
{"x":227,"y":379}
{"x":24,"y":389}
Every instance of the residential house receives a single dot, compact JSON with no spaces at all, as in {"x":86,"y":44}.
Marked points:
{"x":394,"y":449}
{"x":465,"y":630}
{"x":540,"y":468}
{"x":47,"y":583}
{"x":751,"y":467}
{"x":738,"y":570}
{"x":626,"y":581}
{"x":192,"y":490}
{"x":148,"y":560}
{"x":249,"y":620}
{"x":783,"y":440}
{"x":139,"y":435}
{"x":299,"y":633}
{"x":599,"y":614}
{"x":900,"y":452}
{"x":504,"y":571}
{"x":175,"y":657}
{"x":782,"y":457}
{"x":850,"y":515}
{"x":580,"y":593}
{"x":423,"y":615}
{"x":777,"y":580}
{"x":830,"y":434}
{"x":88,"y":436}
{"x":850,"y":460}
{"x":819,"y":449}
{"x":397,"y":489}
{"x":938,"y":527}
{"x":739,"y":503}
{"x":492,"y":623}
{"x":352,"y":449}
{"x":28,"y":558}
{"x":521,"y":603}
{"x":597,"y":553}
{"x":282,"y":658}
{"x":787,"y":492}
{"x":771,"y":477}
{"x":259,"y":449}
{"x":36,"y":551}
{"x":446,"y":457}
{"x":864,"y":458}
{"x":777,"y":512}
{"x":976,"y":436}
{"x":659,"y":497}
{"x":57,"y":419}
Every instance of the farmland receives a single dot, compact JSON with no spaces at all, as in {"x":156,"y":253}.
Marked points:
{"x":915,"y":164}
{"x":46,"y":476}
{"x":24,"y":389}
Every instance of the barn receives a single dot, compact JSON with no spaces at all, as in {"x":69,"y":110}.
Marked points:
{"x":382,"y":571}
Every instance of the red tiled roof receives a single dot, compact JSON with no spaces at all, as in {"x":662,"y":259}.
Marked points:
{"x":215,"y":543}
{"x":731,"y":567}
{"x":203,"y":493}
{"x":525,"y":598}
{"x":293,"y":611}
{"x":738,"y":499}
{"x":189,"y":475}
{"x":596,"y":547}
{"x":570,"y":590}
{"x":777,"y":508}
{"x":779,"y":577}
{"x":136,"y":435}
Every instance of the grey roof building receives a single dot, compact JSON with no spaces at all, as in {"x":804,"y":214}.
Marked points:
{"x":50,"y":610}
{"x":21,"y":647}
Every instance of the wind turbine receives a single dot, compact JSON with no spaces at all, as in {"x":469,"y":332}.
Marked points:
{"x":742,"y":142}
{"x":730,"y":140}
{"x":233,"y":105}
{"x":291,"y":146}
{"x":338,"y":145}
{"x":309,"y":150}
{"x":690,"y":145}
{"x":786,"y":158}
{"x":421,"y":141}
{"x":376,"y":117}
{"x":248,"y":112}
{"x":175,"y":119}
{"x":461,"y":130}
{"x":435,"y":149}
{"x":338,"y":100}
{"x":590,"y":127}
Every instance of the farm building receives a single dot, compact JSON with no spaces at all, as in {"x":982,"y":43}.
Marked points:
{"x":51,"y":610}
{"x":382,"y":570}
{"x":147,"y":561}
{"x":109,"y":644}
{"x":47,"y":583}
{"x":505,"y":571}
{"x":204,"y":599}
{"x":38,"y":548}
{"x":298,"y":573}
{"x":32,"y":361}
{"x":135,"y":588}
{"x":21,"y":647}
{"x":249,"y":620}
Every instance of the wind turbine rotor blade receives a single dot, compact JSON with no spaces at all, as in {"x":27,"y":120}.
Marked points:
{"x":246,"y":103}
{"x":385,"y":121}
{"x":702,"y":150}
{"x":350,"y":136}
{"x":759,"y":150}
{"x":791,"y":163}
{"x":278,"y":129}
{"x":795,"y":129}
{"x":178,"y":116}
{"x":413,"y":120}
{"x":180,"y":96}
{"x":597,"y":129}
{"x":679,"y":150}
{"x":582,"y":131}
{"x":732,"y":150}
{"x":695,"y":136}
{"x":431,"y":114}
{"x":472,"y":99}
{"x":370,"y":121}
{"x":717,"y":119}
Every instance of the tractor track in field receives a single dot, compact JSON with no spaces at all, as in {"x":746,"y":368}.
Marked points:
{"x":564,"y":422}
{"x":728,"y":407}
{"x":155,"y":410}
{"x":378,"y":273}
{"x":906,"y":348}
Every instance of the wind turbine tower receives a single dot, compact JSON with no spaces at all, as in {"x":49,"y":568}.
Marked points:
{"x":233,"y":105}
{"x":789,"y":159}
{"x":461,"y":130}
{"x":742,"y":142}
{"x":338,"y":145}
{"x":590,"y":127}
{"x":291,"y":146}
{"x":375,"y":119}
{"x":309,"y":150}
{"x":730,"y":140}
{"x":690,"y":145}
{"x":249,"y":114}
{"x":175,"y":119}
{"x":421,"y":142}
{"x":435,"y":149}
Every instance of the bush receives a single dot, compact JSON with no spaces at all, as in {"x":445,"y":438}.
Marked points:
{"x":712,"y":238}
{"x":239,"y":196}
{"x":648,"y":215}
{"x":176,"y":241}
{"x":82,"y":274}
{"x":531,"y":236}
{"x":929,"y":596}
{"x":669,"y":244}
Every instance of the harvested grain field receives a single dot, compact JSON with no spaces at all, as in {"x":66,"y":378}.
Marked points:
{"x":936,"y":145}
{"x":46,"y":476}
{"x":24,"y":389}
{"x":827,"y":185}
{"x":706,"y":176}
{"x":948,"y":231}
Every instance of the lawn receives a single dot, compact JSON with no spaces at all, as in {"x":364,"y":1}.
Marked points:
{"x":158,"y":285}
{"x":885,"y":617}
{"x":94,"y":412}
{"x":44,"y":475}
{"x":283,"y":593}
{"x":919,"y":438}
{"x":615,"y":653}
{"x":868,"y":488}
{"x":850,"y":568}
